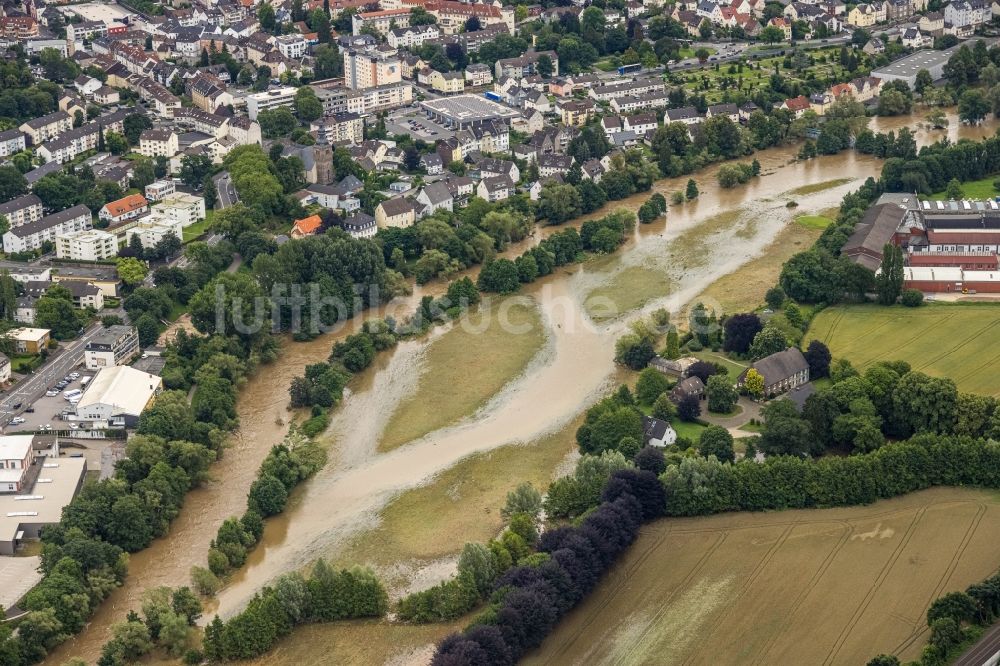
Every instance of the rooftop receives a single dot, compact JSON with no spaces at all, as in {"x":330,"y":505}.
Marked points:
{"x":126,"y":388}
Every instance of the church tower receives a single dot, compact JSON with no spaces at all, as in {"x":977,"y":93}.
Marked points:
{"x":323,"y":157}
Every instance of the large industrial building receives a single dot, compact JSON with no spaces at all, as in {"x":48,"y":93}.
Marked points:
{"x":117,"y":396}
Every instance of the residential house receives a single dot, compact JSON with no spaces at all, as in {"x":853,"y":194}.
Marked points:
{"x":432,"y":164}
{"x":687,"y":115}
{"x":932,"y":23}
{"x":782,"y":371}
{"x":307,"y":226}
{"x":29,"y":340}
{"x":862,"y":16}
{"x":576,"y":113}
{"x":127,"y":208}
{"x":688,"y":387}
{"x":435,"y":197}
{"x":782,"y":24}
{"x":179,"y":207}
{"x":478,"y":74}
{"x":496,"y":188}
{"x":360,"y":225}
{"x":797,"y":105}
{"x":967,"y":13}
{"x":115,"y":345}
{"x":397,"y":212}
{"x":107,"y":95}
{"x":657,"y":433}
{"x":641,"y":123}
{"x":731,"y":111}
{"x":551,"y":165}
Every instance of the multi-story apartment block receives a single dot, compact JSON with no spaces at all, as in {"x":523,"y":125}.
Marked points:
{"x":372,"y":67}
{"x":269,"y":99}
{"x":160,"y":142}
{"x":22,"y":210}
{"x":86,"y":245}
{"x":30,"y":236}
{"x":40,"y":130}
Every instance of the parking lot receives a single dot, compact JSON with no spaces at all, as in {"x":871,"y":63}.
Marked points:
{"x":415,"y":123}
{"x":48,"y":409}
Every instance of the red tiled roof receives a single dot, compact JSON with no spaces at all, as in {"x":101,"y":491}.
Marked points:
{"x":963,"y":238}
{"x":308,"y":225}
{"x":126,"y":204}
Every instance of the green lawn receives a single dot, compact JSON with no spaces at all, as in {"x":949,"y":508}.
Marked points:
{"x":195,"y":230}
{"x":944,"y":340}
{"x":24,"y":363}
{"x":689,"y":52}
{"x":608,"y":64}
{"x":176,"y":310}
{"x":814,"y":221}
{"x":973,"y":189}
{"x":734,"y":368}
{"x":691,"y":431}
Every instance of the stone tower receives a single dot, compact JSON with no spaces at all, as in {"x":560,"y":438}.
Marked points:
{"x":323,"y":157}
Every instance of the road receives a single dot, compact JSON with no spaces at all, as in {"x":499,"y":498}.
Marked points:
{"x":983,"y":651}
{"x":225,"y":189}
{"x":35,"y":385}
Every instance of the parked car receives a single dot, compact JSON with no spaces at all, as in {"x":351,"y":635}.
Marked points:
{"x":17,"y":420}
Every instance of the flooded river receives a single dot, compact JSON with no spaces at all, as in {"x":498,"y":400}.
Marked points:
{"x":573,"y":368}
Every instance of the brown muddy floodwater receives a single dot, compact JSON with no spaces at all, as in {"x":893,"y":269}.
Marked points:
{"x":570,"y":372}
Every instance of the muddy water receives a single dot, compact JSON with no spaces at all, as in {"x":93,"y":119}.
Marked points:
{"x":573,"y":368}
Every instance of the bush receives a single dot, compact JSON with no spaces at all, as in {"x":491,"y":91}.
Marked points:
{"x":912,"y":298}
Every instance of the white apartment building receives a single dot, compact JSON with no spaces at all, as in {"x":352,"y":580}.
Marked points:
{"x":270,"y":99}
{"x":116,"y":345}
{"x":158,"y":143}
{"x":86,"y":245}
{"x":30,"y":236}
{"x":11,"y":142}
{"x":413,"y":36}
{"x":179,"y":208}
{"x":151,"y":231}
{"x":292,"y":47}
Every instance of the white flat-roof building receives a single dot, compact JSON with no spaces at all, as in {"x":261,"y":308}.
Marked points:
{"x":269,"y":99}
{"x":152,"y":230}
{"x":178,"y":208}
{"x":87,"y":245}
{"x":16,"y":456}
{"x":116,"y":345}
{"x":118,"y":395}
{"x":24,"y":514}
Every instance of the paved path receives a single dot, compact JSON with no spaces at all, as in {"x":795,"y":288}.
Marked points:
{"x":983,"y":651}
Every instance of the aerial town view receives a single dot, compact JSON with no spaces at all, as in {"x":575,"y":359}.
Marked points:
{"x":475,"y":333}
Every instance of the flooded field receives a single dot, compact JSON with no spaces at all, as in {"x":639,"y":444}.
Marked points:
{"x":697,"y":244}
{"x":831,"y":586}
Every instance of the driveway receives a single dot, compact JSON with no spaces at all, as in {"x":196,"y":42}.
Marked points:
{"x":749,"y":409}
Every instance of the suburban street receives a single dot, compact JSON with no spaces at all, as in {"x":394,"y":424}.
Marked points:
{"x":225,"y":189}
{"x":984,"y":651}
{"x":35,"y":385}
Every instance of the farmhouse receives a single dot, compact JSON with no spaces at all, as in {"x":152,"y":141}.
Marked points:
{"x":687,"y":387}
{"x":782,"y":371}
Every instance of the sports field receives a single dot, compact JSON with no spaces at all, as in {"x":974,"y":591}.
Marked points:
{"x":955,"y":340}
{"x":831,"y":586}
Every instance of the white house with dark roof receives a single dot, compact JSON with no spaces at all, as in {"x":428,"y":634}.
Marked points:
{"x":657,"y":433}
{"x":30,"y":236}
{"x":782,"y":371}
{"x":435,"y":197}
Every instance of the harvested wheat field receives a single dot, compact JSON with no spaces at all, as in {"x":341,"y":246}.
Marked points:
{"x":830,"y":586}
{"x":953,"y":340}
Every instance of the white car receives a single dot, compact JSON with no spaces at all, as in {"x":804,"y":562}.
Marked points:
{"x":17,"y":420}
{"x":73,"y":426}
{"x":52,"y":393}
{"x":74,"y":375}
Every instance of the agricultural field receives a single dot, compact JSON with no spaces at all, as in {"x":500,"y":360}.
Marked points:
{"x":831,"y":586}
{"x":944,"y":340}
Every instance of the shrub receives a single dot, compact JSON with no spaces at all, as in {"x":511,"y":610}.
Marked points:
{"x":912,"y":298}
